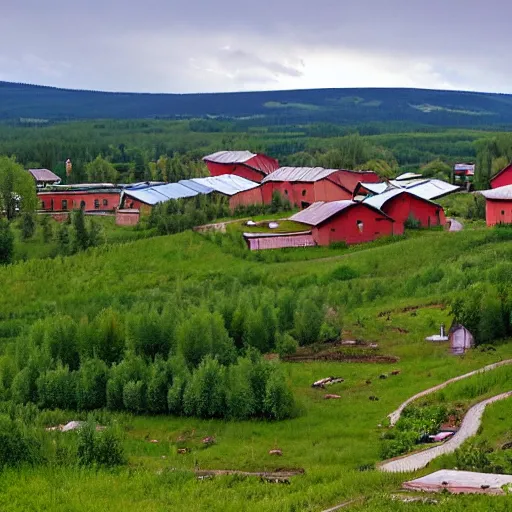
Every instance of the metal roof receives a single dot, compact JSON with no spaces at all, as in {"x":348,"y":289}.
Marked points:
{"x":306,"y":174}
{"x":375,"y":188}
{"x":227,"y":184}
{"x":408,"y":176}
{"x":197,"y":187}
{"x":159,"y":193}
{"x":321,"y":211}
{"x":230,"y":157}
{"x":425,"y":188}
{"x":379,"y":200}
{"x":43,"y":175}
{"x":498,"y":194}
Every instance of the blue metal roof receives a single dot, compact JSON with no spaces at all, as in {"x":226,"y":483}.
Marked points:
{"x":198,"y":187}
{"x":227,"y":184}
{"x":160,"y":193}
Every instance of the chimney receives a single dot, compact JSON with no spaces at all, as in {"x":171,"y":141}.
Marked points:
{"x":69,"y":167}
{"x":442,"y":331}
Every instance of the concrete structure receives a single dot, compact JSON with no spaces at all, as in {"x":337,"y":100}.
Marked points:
{"x":303,"y":186}
{"x":251,"y":166}
{"x":400,"y":205}
{"x":498,"y":205}
{"x":44,"y":177}
{"x":460,"y":482}
{"x":502,"y":178}
{"x":99,"y":197}
{"x":129,"y":217}
{"x":345,"y":221}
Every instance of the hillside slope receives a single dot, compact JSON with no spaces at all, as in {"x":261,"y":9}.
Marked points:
{"x":343,"y":106}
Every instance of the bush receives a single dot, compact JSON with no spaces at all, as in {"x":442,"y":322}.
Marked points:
{"x":412,"y":222}
{"x":92,"y":385}
{"x":286,"y":345}
{"x":6,"y":242}
{"x":18,"y":444}
{"x":57,"y":389}
{"x":344,"y":273}
{"x":278,"y":397}
{"x":102,"y":448}
{"x":240,"y":400}
{"x":134,"y":396}
{"x":474,"y":456}
{"x":28,"y":225}
{"x":308,"y":321}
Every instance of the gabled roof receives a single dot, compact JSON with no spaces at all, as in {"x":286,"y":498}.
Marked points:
{"x":258,"y":162}
{"x":43,"y":175}
{"x":159,"y":193}
{"x":321,"y":211}
{"x":304,"y":174}
{"x":427,"y":189}
{"x":509,"y":166}
{"x":227,"y":184}
{"x":374,"y":188}
{"x":229,"y":157}
{"x":378,"y":201}
{"x":498,"y":194}
{"x":408,"y":176}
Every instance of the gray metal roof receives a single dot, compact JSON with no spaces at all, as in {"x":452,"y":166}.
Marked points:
{"x":230,"y":157}
{"x":408,"y":176}
{"x":197,"y":187}
{"x":427,"y":189}
{"x":501,"y":193}
{"x":160,"y":193}
{"x":321,"y":211}
{"x":375,"y":188}
{"x":305,"y":174}
{"x":227,"y":184}
{"x":380,"y":200}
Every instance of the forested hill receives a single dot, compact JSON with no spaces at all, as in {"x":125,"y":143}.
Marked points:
{"x":343,"y":106}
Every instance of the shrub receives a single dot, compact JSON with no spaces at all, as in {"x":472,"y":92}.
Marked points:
{"x":158,"y":386}
{"x":134,"y":396}
{"x":18,"y":444}
{"x":6,"y":242}
{"x":102,"y":448}
{"x":57,"y":389}
{"x":344,"y":273}
{"x":308,"y":321}
{"x":240,"y":400}
{"x":28,"y":225}
{"x":474,"y":456}
{"x":92,"y":385}
{"x":278,"y":397}
{"x":286,"y":345}
{"x":412,"y":222}
{"x":46,"y":228}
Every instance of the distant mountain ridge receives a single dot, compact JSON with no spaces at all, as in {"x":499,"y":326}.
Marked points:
{"x":340,"y":106}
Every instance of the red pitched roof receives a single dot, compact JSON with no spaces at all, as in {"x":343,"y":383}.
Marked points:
{"x":258,"y":162}
{"x":507,"y":168}
{"x":43,"y":175}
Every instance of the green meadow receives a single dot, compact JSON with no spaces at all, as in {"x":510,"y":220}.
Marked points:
{"x":392,"y":293}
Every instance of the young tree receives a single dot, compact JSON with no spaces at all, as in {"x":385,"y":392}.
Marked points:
{"x":46,"y":228}
{"x":80,"y":236}
{"x":28,"y":225}
{"x":16,"y":188}
{"x":491,"y":326}
{"x":63,"y":239}
{"x":6,"y":242}
{"x":308,"y":321}
{"x":57,"y":389}
{"x":278,"y":397}
{"x":158,"y":387}
{"x":91,"y":386}
{"x":102,"y":171}
{"x":240,"y":401}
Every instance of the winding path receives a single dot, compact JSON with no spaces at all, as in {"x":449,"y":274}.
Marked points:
{"x":469,"y":428}
{"x":395,"y":415}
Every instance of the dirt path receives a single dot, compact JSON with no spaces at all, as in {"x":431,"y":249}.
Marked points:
{"x":468,"y":429}
{"x":395,"y":415}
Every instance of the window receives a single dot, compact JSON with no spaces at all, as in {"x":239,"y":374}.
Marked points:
{"x":333,"y":230}
{"x":502,"y":212}
{"x":82,"y":205}
{"x":303,"y":193}
{"x":96,"y":203}
{"x":42,"y":205}
{"x":105,"y":202}
{"x":360,"y":225}
{"x":286,"y":192}
{"x":64,"y":204}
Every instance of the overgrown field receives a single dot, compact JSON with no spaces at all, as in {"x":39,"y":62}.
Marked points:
{"x":392,"y":293}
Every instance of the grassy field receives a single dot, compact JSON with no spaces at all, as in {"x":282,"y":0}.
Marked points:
{"x":398,"y":293}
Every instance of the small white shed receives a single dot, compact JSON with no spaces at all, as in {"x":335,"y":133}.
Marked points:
{"x":460,"y":339}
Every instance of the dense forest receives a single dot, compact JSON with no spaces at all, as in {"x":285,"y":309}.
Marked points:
{"x":338,"y":106}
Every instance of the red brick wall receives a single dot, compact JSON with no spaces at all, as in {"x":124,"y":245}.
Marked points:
{"x":344,"y":227}
{"x":498,"y":212}
{"x":504,"y":178}
{"x":238,"y":169}
{"x":74,"y":200}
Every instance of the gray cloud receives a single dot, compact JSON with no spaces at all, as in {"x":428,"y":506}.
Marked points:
{"x":176,"y":46}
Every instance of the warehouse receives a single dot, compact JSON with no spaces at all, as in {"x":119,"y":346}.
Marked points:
{"x":345,"y":221}
{"x":498,"y":205}
{"x":251,"y":166}
{"x":92,"y":197}
{"x":401,"y":205}
{"x":303,"y":186}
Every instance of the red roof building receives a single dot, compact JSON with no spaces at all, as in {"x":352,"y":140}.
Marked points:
{"x":399,"y":204}
{"x":304,"y":186}
{"x":245,"y":164}
{"x":498,"y":205}
{"x":345,"y":221}
{"x":503,"y":178}
{"x":90,"y":198}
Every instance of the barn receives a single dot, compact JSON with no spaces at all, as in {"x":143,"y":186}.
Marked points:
{"x":498,"y":205}
{"x":93,"y":197}
{"x":304,"y":186}
{"x":502,"y":178}
{"x":346,"y":221}
{"x":401,"y":204}
{"x":251,"y":166}
{"x":44,"y":177}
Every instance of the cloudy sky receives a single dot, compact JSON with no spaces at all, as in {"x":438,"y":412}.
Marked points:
{"x":231,"y":45}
